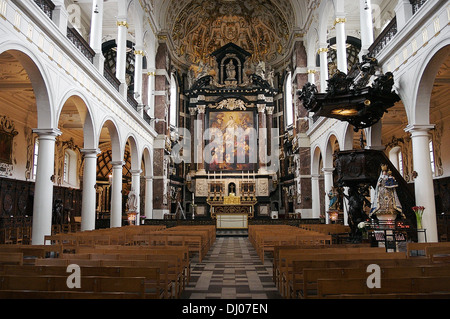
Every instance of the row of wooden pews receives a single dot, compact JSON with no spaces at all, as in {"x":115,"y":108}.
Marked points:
{"x":265,"y":238}
{"x":151,"y":262}
{"x":319,"y":269}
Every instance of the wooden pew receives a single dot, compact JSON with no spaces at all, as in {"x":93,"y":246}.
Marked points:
{"x":306,"y":287}
{"x":355,"y":287}
{"x":11,"y":258}
{"x":123,"y":285}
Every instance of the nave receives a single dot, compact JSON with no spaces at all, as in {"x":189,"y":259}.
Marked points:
{"x":231,"y":270}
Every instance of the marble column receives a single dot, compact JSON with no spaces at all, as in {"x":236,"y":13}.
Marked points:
{"x":88,"y":203}
{"x":199,"y":135}
{"x":315,"y":195}
{"x":262,"y":136}
{"x":365,"y":14}
{"x":311,"y":75}
{"x":192,"y":112}
{"x":121,"y":59}
{"x":96,"y":34}
{"x":43,"y":192}
{"x":341,"y":44}
{"x":323,"y":55}
{"x":403,"y":12}
{"x":423,"y":183}
{"x":116,"y":194}
{"x":149,"y":197}
{"x":138,"y":62}
{"x":136,"y":185}
{"x":269,"y":124}
{"x":328,"y":184}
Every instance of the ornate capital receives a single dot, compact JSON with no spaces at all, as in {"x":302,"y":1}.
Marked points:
{"x":270,"y":110}
{"x":139,"y":52}
{"x":122,"y":24}
{"x":339,"y":20}
{"x":322,"y":50}
{"x":310,"y":71}
{"x":261,"y":108}
{"x":193,"y":111}
{"x":201,"y":109}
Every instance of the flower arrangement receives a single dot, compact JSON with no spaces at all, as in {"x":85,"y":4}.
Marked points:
{"x":418,"y":210}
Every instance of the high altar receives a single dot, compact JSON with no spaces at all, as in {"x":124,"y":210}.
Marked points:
{"x":233,"y":98}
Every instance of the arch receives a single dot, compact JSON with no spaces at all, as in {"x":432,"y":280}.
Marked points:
{"x":39,"y":81}
{"x":347,"y":139}
{"x":427,"y":72}
{"x":148,"y":162}
{"x":116,"y":146}
{"x":329,"y":149}
{"x":316,"y":158}
{"x":86,"y":113}
{"x":134,"y":151}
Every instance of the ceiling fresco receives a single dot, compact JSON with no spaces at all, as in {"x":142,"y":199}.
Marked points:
{"x":203,"y":26}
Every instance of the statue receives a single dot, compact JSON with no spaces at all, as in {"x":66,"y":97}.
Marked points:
{"x":386,"y":201}
{"x":132,"y":202}
{"x":231,"y":71}
{"x":356,"y":204}
{"x":333,"y":195}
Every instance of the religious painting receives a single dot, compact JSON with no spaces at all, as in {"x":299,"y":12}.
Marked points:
{"x":231,"y":141}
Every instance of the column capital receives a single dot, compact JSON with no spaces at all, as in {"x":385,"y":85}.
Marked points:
{"x":50,"y":132}
{"x":261,"y":108}
{"x":122,"y":23}
{"x":90,"y":151}
{"x":270,"y":110}
{"x":327,"y":170}
{"x":201,"y":109}
{"x":136,"y":172}
{"x":148,"y":178}
{"x":322,"y":50}
{"x":193,"y":111}
{"x":419,"y":129}
{"x":117,"y":163}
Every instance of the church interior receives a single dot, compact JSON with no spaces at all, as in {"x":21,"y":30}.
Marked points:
{"x":224,"y":149}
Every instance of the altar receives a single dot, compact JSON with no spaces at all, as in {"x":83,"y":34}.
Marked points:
{"x":232,"y":211}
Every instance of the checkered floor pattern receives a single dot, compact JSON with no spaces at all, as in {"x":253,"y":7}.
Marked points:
{"x":231,"y":270}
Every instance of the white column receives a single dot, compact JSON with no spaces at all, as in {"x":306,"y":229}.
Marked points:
{"x":116,"y":194}
{"x":136,"y":185}
{"x":345,"y":206}
{"x":315,"y":195}
{"x":341,"y":43}
{"x":323,"y":54}
{"x":43,"y":193}
{"x":423,"y":183}
{"x":60,"y":15}
{"x":149,"y":197}
{"x":328,"y":184}
{"x":121,"y":60}
{"x":150,"y":93}
{"x":403,"y":12}
{"x":365,"y":13}
{"x":88,"y":203}
{"x":96,"y":34}
{"x":311,"y":74}
{"x":138,"y":61}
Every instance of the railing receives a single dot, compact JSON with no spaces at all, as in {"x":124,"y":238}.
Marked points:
{"x":80,"y":43}
{"x":386,"y":35}
{"x":416,"y":5}
{"x":47,"y":6}
{"x":111,"y":78}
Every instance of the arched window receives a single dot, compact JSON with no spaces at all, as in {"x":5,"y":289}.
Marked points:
{"x":288,"y":105}
{"x":173,"y":111}
{"x":396,"y":157}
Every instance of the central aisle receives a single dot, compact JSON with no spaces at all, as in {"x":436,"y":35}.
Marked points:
{"x":231,"y":270}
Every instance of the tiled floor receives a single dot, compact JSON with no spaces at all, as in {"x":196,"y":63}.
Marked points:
{"x":231,"y":270}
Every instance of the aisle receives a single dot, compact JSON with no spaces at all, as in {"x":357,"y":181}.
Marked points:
{"x":231,"y":270}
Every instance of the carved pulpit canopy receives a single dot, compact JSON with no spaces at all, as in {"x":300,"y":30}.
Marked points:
{"x":350,"y":98}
